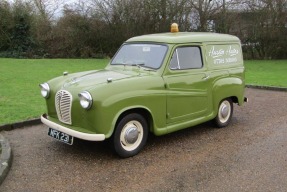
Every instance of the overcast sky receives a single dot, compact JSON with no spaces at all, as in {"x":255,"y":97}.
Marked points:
{"x":52,"y":4}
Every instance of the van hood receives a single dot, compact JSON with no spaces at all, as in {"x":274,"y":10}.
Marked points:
{"x":92,"y":78}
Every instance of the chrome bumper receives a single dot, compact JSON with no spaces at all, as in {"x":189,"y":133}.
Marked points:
{"x":71,"y":132}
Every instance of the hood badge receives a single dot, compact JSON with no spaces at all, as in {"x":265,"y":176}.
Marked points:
{"x":75,"y":80}
{"x":71,"y":82}
{"x":109,"y":80}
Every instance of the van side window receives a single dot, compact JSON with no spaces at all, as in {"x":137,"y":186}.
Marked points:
{"x":186,"y":58}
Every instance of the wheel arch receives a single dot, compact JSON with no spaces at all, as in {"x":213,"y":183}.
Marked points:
{"x":234,"y":99}
{"x":139,"y":110}
{"x":231,"y":87}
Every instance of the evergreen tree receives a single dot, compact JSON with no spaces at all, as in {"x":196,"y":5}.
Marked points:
{"x":21,"y":41}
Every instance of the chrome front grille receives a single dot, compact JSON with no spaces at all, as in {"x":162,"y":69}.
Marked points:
{"x":63,"y":102}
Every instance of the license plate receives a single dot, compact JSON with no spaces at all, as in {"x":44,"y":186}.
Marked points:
{"x":63,"y":137}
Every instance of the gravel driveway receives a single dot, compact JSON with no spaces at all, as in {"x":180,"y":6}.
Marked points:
{"x":248,"y":155}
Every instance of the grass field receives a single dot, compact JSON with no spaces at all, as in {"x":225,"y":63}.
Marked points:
{"x":20,"y":97}
{"x":267,"y":72}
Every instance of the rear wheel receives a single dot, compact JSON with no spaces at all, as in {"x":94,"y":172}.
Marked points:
{"x":130,"y":135}
{"x":224,"y":113}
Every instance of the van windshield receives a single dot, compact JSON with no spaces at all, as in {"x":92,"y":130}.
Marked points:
{"x":145,"y":55}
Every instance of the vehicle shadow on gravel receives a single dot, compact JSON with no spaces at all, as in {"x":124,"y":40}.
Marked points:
{"x":191,"y":133}
{"x":87,"y":148}
{"x":185,"y":139}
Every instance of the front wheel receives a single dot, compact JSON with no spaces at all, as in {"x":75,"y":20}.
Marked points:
{"x":224,"y":113}
{"x":130,"y":135}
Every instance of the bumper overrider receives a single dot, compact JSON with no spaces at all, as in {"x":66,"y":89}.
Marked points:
{"x":77,"y":134}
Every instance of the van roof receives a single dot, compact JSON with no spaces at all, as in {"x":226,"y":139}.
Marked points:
{"x":184,"y":37}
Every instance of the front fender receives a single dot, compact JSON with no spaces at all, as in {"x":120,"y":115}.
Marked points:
{"x":113,"y":99}
{"x":153,"y":104}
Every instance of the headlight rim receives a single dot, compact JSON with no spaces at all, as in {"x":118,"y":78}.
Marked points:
{"x":45,"y":86}
{"x":87,"y":97}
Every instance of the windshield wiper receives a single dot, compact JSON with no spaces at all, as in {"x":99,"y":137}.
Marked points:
{"x":149,"y":69}
{"x":139,"y":65}
{"x":142,"y":65}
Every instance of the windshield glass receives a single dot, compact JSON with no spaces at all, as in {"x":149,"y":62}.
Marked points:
{"x":146,"y":55}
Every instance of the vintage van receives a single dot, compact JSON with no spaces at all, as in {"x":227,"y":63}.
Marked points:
{"x":157,"y":83}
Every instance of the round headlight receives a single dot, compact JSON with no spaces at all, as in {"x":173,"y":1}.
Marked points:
{"x":45,"y":90}
{"x":86,"y":99}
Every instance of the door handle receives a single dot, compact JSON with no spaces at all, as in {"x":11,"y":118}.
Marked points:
{"x":205,"y":78}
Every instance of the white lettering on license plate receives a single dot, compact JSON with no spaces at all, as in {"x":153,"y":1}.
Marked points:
{"x":60,"y":136}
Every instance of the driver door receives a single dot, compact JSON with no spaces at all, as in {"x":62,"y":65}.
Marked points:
{"x":187,"y":84}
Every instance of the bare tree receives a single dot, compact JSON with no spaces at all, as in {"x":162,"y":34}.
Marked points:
{"x":266,"y":32}
{"x":91,"y":27}
{"x":204,"y":10}
{"x":47,"y":9}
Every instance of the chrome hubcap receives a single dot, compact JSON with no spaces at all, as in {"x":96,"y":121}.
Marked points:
{"x":224,"y":111}
{"x":131,"y":135}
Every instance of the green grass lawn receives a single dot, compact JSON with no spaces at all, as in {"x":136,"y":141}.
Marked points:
{"x":20,"y":97}
{"x":267,"y":72}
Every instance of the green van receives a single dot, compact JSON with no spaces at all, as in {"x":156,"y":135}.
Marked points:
{"x":157,"y":83}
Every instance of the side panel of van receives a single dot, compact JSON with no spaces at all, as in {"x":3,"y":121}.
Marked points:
{"x":223,"y":55}
{"x":225,"y":64}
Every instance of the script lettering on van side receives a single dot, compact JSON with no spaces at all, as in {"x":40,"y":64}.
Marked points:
{"x":222,"y":56}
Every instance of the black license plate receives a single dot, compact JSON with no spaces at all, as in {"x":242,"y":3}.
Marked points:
{"x":63,"y":137}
